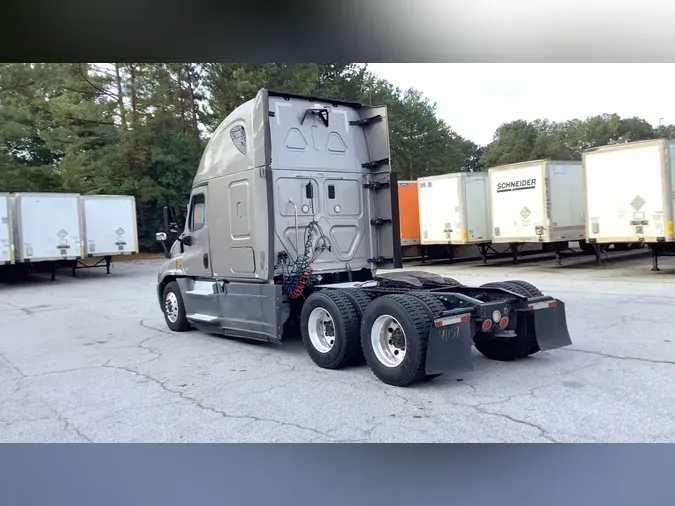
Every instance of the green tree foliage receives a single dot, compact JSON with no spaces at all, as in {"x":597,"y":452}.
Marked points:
{"x":140,"y":128}
{"x":521,"y":141}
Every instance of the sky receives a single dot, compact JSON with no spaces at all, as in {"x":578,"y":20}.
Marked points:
{"x":475,"y":99}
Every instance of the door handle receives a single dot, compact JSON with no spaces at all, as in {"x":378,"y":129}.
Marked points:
{"x":205,"y":259}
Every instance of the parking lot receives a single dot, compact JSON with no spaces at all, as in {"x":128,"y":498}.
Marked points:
{"x":90,"y":359}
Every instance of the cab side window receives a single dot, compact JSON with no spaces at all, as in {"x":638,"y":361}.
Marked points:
{"x":197,"y":212}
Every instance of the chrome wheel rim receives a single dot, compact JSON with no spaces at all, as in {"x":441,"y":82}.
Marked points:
{"x":321,"y":329}
{"x":171,"y":307}
{"x":388,"y":341}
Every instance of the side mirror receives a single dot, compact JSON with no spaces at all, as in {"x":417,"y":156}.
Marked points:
{"x":185,"y":241}
{"x":170,"y":223}
{"x":161,"y":237}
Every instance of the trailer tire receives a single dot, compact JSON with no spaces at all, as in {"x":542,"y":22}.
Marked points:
{"x":327,"y":312}
{"x":404,"y":365}
{"x":173,"y":308}
{"x":527,"y":289}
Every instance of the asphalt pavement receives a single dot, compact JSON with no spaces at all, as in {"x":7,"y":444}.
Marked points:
{"x":89,"y":359}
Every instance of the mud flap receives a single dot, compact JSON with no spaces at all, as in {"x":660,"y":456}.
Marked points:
{"x":449,"y":345}
{"x":550,"y":325}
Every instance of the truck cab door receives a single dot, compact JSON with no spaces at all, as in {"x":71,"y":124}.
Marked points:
{"x":195,"y":238}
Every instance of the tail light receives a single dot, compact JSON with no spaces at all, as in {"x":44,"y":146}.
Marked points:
{"x":487,"y":325}
{"x":503,"y":323}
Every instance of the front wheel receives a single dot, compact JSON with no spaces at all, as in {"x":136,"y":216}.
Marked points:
{"x":174,"y":309}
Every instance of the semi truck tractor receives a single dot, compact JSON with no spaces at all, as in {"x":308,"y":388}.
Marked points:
{"x":293,"y":223}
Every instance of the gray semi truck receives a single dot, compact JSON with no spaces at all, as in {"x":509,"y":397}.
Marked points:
{"x":293,"y":223}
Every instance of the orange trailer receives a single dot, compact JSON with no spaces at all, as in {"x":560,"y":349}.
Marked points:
{"x":409,"y":213}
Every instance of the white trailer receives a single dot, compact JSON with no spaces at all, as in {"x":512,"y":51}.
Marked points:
{"x":454,"y":209}
{"x":7,"y":254}
{"x":629,"y":194}
{"x":539,"y":201}
{"x":47,"y":227}
{"x":110,"y":226}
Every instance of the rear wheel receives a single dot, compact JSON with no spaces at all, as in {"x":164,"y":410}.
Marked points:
{"x":434,"y":308}
{"x":499,"y":284}
{"x":330,"y":329}
{"x":360,"y":300}
{"x":502,"y":349}
{"x":451,"y":281}
{"x":394,"y":336}
{"x":506,"y":349}
{"x":526,"y":289}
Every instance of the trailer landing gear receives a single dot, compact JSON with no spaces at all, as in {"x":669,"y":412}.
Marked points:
{"x":655,"y":260}
{"x":79,"y":264}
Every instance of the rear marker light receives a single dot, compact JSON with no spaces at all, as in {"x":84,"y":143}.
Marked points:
{"x":451,"y":320}
{"x":503,"y":323}
{"x":542,"y":305}
{"x":487,"y":324}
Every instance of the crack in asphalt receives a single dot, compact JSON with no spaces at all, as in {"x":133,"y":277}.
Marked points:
{"x":161,"y":331}
{"x":481,"y":407}
{"x":211,"y":409}
{"x":125,"y":411}
{"x":619,"y":357}
{"x":69,"y":425}
{"x":12,"y":365}
{"x":543,"y":432}
{"x":19,"y":308}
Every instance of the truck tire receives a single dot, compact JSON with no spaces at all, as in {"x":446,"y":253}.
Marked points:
{"x":399,"y":361}
{"x":329,"y":325}
{"x":435,"y":309}
{"x":360,"y":300}
{"x":434,"y":306}
{"x":498,"y":284}
{"x":173,"y":308}
{"x":503,"y":349}
{"x":451,"y":281}
{"x":527,"y":289}
{"x":520,"y":287}
{"x":506,"y":350}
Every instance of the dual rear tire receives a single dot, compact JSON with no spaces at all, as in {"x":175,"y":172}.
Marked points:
{"x":507,"y":349}
{"x":390,"y":333}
